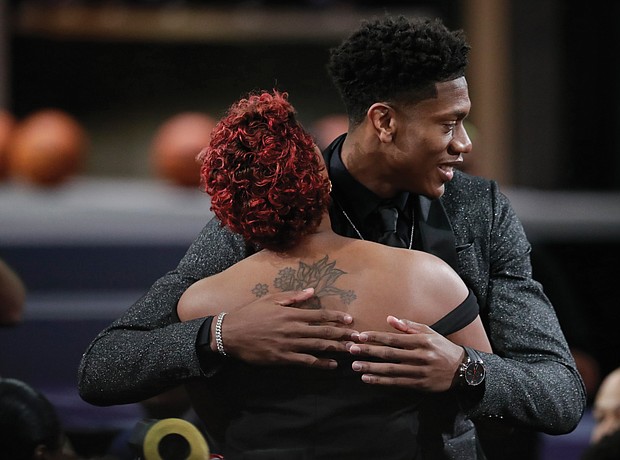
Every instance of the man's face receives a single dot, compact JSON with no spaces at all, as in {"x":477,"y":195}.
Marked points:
{"x":431,"y":140}
{"x":607,"y":407}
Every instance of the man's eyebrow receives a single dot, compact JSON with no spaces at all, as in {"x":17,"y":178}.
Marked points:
{"x":460,"y":114}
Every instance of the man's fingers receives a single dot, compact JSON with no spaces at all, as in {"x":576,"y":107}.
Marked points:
{"x":394,"y":375}
{"x":325,"y":332}
{"x":310,"y":316}
{"x":390,"y":354}
{"x":316,"y":344}
{"x":293,"y":297}
{"x":374,"y":379}
{"x":305,"y":360}
{"x":331,"y":316}
{"x":406,"y":326}
{"x":420,"y":336}
{"x":318,"y":317}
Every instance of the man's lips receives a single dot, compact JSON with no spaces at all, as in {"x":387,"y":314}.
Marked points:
{"x":446,"y":171}
{"x":447,"y":168}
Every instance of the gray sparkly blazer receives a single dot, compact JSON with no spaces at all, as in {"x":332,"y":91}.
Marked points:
{"x":531,"y":379}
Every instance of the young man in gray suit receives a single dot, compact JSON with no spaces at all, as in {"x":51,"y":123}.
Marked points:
{"x":403,"y":84}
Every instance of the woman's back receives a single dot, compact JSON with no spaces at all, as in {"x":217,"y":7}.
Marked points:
{"x":294,"y":412}
{"x":365,"y":279}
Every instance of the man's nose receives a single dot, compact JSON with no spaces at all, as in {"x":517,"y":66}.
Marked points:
{"x":461,"y":143}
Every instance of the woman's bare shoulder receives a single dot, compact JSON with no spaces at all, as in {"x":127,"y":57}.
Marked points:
{"x":223,"y":291}
{"x":416,"y":279}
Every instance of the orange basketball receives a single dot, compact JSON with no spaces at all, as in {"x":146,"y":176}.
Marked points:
{"x":177,"y":143}
{"x":7,"y":123}
{"x":47,"y":147}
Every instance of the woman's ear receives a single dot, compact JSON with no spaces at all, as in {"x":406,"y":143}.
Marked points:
{"x":381,"y":117}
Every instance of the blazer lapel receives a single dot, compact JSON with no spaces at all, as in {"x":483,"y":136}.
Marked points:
{"x":436,"y":235}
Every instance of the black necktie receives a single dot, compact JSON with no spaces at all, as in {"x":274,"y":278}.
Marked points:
{"x":389,"y":220}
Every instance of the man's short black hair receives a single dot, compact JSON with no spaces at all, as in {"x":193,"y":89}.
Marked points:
{"x":395,"y":60}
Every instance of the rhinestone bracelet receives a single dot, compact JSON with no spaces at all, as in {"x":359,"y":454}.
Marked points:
{"x":218,"y":334}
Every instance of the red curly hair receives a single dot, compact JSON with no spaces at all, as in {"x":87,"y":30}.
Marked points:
{"x":263,"y":174}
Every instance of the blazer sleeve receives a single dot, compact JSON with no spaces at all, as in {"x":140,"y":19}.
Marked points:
{"x":532,"y":380}
{"x":147,"y":350}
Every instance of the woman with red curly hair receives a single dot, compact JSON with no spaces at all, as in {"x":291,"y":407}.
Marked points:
{"x":263,"y":173}
{"x":268,"y":183}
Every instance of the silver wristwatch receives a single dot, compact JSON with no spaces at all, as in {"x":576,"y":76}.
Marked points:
{"x":471,"y":370}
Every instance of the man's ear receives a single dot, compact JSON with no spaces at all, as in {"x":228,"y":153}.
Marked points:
{"x":381,"y":116}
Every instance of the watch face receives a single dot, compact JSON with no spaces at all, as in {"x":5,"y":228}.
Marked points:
{"x":474,"y":374}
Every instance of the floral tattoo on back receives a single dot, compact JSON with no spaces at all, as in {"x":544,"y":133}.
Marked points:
{"x":320,"y":275}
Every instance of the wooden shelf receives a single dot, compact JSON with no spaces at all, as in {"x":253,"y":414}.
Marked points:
{"x":195,"y":24}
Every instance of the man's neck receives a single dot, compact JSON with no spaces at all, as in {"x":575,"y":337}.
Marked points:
{"x":362,"y":158}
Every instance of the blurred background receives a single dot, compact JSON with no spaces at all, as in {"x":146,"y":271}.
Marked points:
{"x":124,"y":92}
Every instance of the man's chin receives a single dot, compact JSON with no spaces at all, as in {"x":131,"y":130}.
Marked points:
{"x":435,"y":193}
